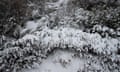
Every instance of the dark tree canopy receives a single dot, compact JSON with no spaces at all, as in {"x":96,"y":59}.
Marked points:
{"x":12,"y":12}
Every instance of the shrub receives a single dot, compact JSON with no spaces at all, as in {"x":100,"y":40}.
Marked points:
{"x":15,"y":55}
{"x":108,"y":17}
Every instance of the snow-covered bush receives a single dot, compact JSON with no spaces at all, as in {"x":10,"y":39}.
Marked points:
{"x":22,"y":53}
{"x":109,"y":18}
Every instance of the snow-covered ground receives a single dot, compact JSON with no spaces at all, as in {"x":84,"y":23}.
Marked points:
{"x":60,"y":61}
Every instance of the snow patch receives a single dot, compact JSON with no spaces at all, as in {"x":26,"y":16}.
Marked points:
{"x":60,"y":61}
{"x":31,"y":25}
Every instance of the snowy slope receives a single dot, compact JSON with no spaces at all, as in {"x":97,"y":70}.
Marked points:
{"x":60,"y":61}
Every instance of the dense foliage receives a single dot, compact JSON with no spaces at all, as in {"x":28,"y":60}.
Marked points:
{"x":89,"y":27}
{"x":12,"y":14}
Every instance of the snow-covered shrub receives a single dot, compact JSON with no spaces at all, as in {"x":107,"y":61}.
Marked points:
{"x":105,"y":31}
{"x":106,"y":18}
{"x":22,"y":53}
{"x":109,"y":18}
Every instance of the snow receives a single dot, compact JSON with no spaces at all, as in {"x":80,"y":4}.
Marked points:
{"x":60,"y":61}
{"x":31,"y":25}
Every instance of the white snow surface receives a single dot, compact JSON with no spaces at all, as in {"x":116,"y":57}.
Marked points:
{"x":31,"y":25}
{"x":60,"y":61}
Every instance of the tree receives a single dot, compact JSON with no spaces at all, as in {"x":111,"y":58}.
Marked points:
{"x":12,"y":14}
